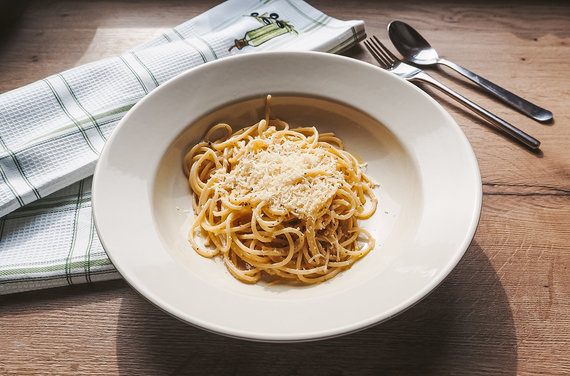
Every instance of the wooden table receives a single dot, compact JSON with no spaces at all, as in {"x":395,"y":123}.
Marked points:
{"x":505,"y":309}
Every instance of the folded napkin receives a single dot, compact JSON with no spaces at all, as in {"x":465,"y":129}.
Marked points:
{"x":53,"y":130}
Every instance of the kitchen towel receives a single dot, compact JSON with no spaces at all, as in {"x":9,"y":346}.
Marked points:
{"x":53,"y":130}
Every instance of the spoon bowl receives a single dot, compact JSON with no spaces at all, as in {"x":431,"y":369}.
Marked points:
{"x":411,"y":44}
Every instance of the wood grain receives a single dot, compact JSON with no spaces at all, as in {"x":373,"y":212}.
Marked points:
{"x":503,"y":311}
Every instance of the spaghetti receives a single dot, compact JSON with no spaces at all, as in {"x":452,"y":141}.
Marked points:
{"x":278,"y":201}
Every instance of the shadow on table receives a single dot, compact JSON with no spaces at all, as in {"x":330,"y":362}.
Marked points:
{"x":465,"y":326}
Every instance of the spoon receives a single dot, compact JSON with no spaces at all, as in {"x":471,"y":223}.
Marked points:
{"x":415,"y":49}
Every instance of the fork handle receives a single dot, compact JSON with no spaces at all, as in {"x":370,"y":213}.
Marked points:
{"x":524,"y":106}
{"x":499,"y":123}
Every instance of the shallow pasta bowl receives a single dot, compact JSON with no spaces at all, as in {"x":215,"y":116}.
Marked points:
{"x":429,"y":193}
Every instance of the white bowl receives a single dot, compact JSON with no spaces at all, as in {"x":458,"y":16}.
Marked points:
{"x":429,"y":194}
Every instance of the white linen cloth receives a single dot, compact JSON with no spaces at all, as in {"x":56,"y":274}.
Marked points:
{"x":53,"y":130}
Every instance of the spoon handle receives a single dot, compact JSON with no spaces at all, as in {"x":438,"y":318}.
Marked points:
{"x":524,"y":106}
{"x":499,"y":123}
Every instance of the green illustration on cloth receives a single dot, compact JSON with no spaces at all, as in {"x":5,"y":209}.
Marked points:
{"x":272,"y":27}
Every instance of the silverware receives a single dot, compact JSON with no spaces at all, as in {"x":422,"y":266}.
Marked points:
{"x":415,"y":49}
{"x":390,"y":62}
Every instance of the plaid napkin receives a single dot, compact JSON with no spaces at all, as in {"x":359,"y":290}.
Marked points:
{"x":52,"y":131}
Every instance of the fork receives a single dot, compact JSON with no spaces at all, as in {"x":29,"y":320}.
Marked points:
{"x":391,"y":63}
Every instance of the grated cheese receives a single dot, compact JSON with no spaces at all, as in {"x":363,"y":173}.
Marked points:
{"x":290,"y":175}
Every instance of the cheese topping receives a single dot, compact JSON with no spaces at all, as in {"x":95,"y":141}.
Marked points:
{"x":288,"y":174}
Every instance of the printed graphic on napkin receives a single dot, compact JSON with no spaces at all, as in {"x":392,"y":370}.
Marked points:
{"x":271,"y":28}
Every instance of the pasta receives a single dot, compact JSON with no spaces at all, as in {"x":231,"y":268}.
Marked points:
{"x":278,"y":203}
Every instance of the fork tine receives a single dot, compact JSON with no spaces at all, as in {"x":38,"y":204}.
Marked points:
{"x":389,"y":53}
{"x":377,"y":54}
